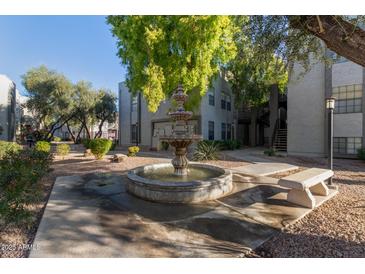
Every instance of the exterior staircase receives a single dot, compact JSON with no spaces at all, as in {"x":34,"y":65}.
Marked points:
{"x":280,"y":140}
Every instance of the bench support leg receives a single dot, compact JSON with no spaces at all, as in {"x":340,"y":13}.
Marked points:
{"x":301,"y":197}
{"x":320,"y":189}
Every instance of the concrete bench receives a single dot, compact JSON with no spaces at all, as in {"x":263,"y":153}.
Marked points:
{"x":304,"y":183}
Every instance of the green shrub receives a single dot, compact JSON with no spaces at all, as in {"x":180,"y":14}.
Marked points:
{"x":43,"y":146}
{"x":86,"y":143}
{"x":225,"y":144}
{"x":270,"y":152}
{"x":132,"y":151}
{"x":165,"y":145}
{"x":57,"y":139}
{"x":114,"y":144}
{"x":361,"y":154}
{"x":19,"y":182}
{"x":63,"y":150}
{"x":99,"y":147}
{"x":8,"y":147}
{"x":206,"y":151}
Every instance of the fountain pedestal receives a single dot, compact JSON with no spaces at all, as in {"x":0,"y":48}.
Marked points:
{"x":181,"y":138}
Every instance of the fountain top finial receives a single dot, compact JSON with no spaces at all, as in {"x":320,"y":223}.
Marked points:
{"x":179,"y":96}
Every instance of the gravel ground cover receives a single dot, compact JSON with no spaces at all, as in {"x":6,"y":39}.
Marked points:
{"x":336,"y":228}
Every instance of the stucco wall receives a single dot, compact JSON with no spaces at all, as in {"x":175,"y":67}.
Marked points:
{"x":346,"y":73}
{"x":306,"y":111}
{"x":124,"y":115}
{"x":216,"y":113}
{"x":148,"y":119}
{"x":7,"y":118}
{"x":347,"y":125}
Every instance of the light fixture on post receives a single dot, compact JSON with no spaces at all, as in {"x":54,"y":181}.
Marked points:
{"x":330,"y":106}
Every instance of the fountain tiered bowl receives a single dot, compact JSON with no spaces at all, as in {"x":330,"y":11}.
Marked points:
{"x":180,"y":181}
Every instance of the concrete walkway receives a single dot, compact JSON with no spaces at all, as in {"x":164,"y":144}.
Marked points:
{"x":252,"y":154}
{"x":94,"y":216}
{"x":260,"y":166}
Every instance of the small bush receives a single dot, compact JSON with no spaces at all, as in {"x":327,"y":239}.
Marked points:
{"x":361,"y":154}
{"x":43,"y":146}
{"x":99,"y":147}
{"x":270,"y":152}
{"x":132,"y":151}
{"x":86,"y":143}
{"x":206,"y":151}
{"x":225,"y":144}
{"x":6,"y":147}
{"x":165,"y":145}
{"x":19,"y":182}
{"x":63,"y":150}
{"x":57,"y":139}
{"x":114,"y":144}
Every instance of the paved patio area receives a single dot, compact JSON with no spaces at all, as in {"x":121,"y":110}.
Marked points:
{"x":93,"y":216}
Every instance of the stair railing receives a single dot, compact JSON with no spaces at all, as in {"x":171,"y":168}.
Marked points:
{"x":276,"y":127}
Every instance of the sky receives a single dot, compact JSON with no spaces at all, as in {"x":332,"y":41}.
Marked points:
{"x":80,"y":47}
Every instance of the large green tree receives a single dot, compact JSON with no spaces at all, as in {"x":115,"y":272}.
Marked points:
{"x":105,"y":109}
{"x":162,"y":51}
{"x":257,"y":51}
{"x":254,"y":70}
{"x":56,"y":102}
{"x":50,"y":98}
{"x":84,"y":110}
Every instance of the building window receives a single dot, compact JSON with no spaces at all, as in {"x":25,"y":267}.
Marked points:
{"x":211,"y":98}
{"x":346,"y":145}
{"x":229,"y":135}
{"x":134,"y":133}
{"x":348,"y":98}
{"x":223,"y":101}
{"x":229,"y":103}
{"x":353,"y":145}
{"x":211,"y":130}
{"x":223,"y":131}
{"x":134,"y":101}
{"x":339,"y":145}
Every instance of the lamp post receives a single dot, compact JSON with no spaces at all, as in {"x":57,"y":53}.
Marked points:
{"x":330,"y":106}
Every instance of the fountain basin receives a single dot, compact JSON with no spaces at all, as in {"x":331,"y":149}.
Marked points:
{"x":158,"y":183}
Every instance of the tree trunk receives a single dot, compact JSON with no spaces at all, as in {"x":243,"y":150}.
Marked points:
{"x":339,"y":35}
{"x":99,"y":133}
{"x":78,"y":134}
{"x":72,"y":135}
{"x":86,"y":128}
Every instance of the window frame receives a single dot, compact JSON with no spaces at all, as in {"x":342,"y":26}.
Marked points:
{"x":210,"y":130}
{"x":348,"y":98}
{"x":211,"y":100}
{"x":133,"y":133}
{"x":346,"y":145}
{"x":224,"y":131}
{"x":134,"y":103}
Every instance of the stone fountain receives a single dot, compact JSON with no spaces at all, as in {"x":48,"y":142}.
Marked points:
{"x":180,"y":181}
{"x":180,"y":138}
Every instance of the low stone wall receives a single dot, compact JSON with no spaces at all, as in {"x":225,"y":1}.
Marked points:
{"x":180,"y":192}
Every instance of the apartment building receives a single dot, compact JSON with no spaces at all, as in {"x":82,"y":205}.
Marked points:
{"x":307,"y":115}
{"x":214,"y":119}
{"x":7,"y":108}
